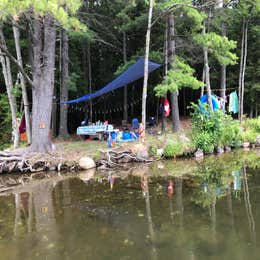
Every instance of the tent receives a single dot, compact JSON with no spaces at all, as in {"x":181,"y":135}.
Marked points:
{"x":133,"y":73}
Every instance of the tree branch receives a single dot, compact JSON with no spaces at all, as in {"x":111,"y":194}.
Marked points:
{"x":14,"y":60}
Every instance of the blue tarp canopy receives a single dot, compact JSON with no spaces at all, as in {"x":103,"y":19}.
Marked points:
{"x":133,"y":73}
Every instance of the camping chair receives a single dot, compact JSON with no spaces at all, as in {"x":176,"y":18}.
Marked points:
{"x":135,"y":123}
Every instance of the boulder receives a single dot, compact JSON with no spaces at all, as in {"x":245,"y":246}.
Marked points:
{"x":246,"y":144}
{"x":227,"y":148}
{"x":219,"y":150}
{"x":142,"y":155}
{"x":159,"y":152}
{"x":199,"y":153}
{"x":87,"y":163}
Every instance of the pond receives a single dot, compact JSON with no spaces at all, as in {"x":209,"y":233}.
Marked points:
{"x":165,"y":210}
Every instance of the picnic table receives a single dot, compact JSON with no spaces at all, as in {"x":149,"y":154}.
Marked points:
{"x":98,"y":130}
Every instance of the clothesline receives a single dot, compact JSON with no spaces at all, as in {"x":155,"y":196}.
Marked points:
{"x":212,"y":90}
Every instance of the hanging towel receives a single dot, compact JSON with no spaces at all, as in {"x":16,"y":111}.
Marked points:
{"x":233,"y":103}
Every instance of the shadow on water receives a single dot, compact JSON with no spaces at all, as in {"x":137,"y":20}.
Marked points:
{"x":166,"y":210}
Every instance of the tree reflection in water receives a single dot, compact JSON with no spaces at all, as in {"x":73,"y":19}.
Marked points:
{"x":248,"y":206}
{"x":145,"y":190}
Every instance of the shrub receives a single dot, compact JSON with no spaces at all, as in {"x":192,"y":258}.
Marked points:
{"x":153,"y":150}
{"x":211,"y":129}
{"x":252,"y":124}
{"x":204,"y":141}
{"x":173,"y":149}
{"x":249,"y":136}
{"x":232,"y":134}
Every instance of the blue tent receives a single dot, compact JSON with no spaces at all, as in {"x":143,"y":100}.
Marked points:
{"x":133,"y":73}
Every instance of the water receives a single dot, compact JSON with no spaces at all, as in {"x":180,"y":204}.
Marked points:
{"x":167,"y":210}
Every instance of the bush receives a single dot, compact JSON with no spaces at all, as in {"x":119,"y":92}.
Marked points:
{"x":232,"y":135}
{"x":249,"y":136}
{"x":211,"y":129}
{"x":204,"y":141}
{"x":252,"y":124}
{"x":173,"y":149}
{"x":153,"y":150}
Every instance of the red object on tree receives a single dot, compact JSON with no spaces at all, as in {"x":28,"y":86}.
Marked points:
{"x":166,"y":107}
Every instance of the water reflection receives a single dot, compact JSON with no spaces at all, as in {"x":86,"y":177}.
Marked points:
{"x":145,"y":190}
{"x":248,"y":207}
{"x":150,"y":214}
{"x":170,"y":191}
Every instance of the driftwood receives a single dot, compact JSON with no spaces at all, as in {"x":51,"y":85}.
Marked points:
{"x":17,"y":163}
{"x":115,"y":159}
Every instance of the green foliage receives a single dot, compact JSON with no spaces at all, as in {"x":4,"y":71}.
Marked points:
{"x":72,"y":81}
{"x":232,"y":134}
{"x":5,"y":122}
{"x":172,"y":149}
{"x":181,"y":75}
{"x":63,"y":11}
{"x":249,"y":136}
{"x":203,"y":141}
{"x":172,"y":4}
{"x":153,"y":55}
{"x":219,"y":46}
{"x":127,"y":17}
{"x":211,"y":129}
{"x":153,"y":150}
{"x":17,"y":91}
{"x":252,"y":124}
{"x":196,"y":16}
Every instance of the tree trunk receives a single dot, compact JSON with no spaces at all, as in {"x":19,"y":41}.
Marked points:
{"x":6,"y":68}
{"x":22,"y":80}
{"x":147,"y":46}
{"x":174,"y":94}
{"x":241,"y":69}
{"x":54,"y":113}
{"x":90,"y":81}
{"x":203,"y":80}
{"x":251,"y":110}
{"x":243,"y":72}
{"x":206,"y":69}
{"x":64,"y":41}
{"x":166,"y":43}
{"x":43,"y":81}
{"x":125,"y":87}
{"x":151,"y":230}
{"x":223,"y":68}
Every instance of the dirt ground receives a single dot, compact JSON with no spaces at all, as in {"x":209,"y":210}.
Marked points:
{"x":75,"y":147}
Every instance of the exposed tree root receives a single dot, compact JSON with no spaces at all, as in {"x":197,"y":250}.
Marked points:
{"x":25,"y":162}
{"x":115,"y":159}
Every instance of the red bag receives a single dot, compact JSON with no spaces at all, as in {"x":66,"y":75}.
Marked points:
{"x":166,"y":107}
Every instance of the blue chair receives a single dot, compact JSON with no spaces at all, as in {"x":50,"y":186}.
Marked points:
{"x":135,"y":123}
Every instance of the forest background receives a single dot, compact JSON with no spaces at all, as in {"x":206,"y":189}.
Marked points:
{"x":55,"y":50}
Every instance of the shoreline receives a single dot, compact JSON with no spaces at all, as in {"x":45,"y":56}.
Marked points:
{"x":75,"y":156}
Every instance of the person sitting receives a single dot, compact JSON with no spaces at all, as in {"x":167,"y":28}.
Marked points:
{"x":141,"y":132}
{"x":128,"y":136}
